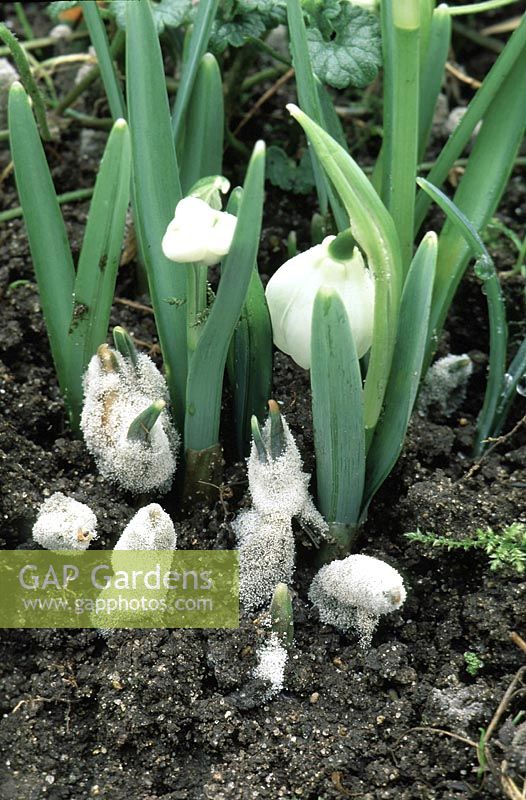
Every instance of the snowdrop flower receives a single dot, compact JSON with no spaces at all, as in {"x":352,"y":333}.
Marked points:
{"x":356,"y":592}
{"x":198,"y":233}
{"x":138,"y":457}
{"x":64,"y":524}
{"x":293,"y":288}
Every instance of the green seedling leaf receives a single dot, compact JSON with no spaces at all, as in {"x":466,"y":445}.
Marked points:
{"x":125,"y":344}
{"x":277,"y":434}
{"x":345,"y":50}
{"x":258,"y":439}
{"x":143,"y":423}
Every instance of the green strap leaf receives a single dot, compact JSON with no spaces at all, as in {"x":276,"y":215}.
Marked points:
{"x":99,"y":39}
{"x":205,"y":377}
{"x":406,"y":369}
{"x":99,"y":257}
{"x":48,"y":239}
{"x":157,"y":191}
{"x":337,"y":410}
{"x":200,"y":149}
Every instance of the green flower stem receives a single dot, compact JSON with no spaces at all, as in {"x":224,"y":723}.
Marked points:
{"x":23,"y":20}
{"x":26,"y":76}
{"x":99,"y":39}
{"x":401,"y":42}
{"x":433,"y":61}
{"x":45,"y":41}
{"x":67,"y":197}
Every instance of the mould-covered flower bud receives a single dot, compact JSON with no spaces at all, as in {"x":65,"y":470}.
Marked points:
{"x":355,"y":592}
{"x":150,"y":529}
{"x":64,"y":524}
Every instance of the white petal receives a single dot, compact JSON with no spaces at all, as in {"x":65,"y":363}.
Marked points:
{"x":182,"y":246}
{"x":221,"y":234}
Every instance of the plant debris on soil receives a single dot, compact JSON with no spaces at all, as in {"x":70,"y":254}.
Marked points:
{"x":177,"y":714}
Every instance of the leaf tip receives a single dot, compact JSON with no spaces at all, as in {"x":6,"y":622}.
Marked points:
{"x":293,"y":110}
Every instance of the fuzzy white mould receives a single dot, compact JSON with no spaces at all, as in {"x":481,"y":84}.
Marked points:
{"x":150,"y":529}
{"x":64,"y":524}
{"x":444,"y":387}
{"x":266,"y":555}
{"x":355,"y":592}
{"x":272,"y":659}
{"x":279,"y":486}
{"x":112,"y":401}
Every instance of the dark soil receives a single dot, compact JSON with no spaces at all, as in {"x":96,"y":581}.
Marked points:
{"x":175,"y":714}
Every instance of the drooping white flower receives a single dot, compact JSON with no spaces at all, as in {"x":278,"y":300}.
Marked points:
{"x":150,"y":529}
{"x":355,"y":592}
{"x":64,"y":524}
{"x":198,"y":233}
{"x":114,"y":396}
{"x":292,"y":290}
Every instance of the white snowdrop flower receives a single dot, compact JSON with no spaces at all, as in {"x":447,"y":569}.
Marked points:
{"x":150,"y":529}
{"x":278,"y":485}
{"x":272,"y":659}
{"x":266,"y":555}
{"x":444,"y":387}
{"x":115,"y":392}
{"x":198,"y":233}
{"x":355,"y":592}
{"x":64,"y":524}
{"x":293,"y":288}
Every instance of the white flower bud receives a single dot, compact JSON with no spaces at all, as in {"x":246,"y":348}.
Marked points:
{"x":356,"y":592}
{"x":198,"y":233}
{"x":113,"y":398}
{"x":293,"y":288}
{"x":150,"y":529}
{"x":64,"y":524}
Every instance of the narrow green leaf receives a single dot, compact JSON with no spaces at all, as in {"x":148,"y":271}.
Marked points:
{"x":485,"y":270}
{"x":205,"y":377}
{"x":47,"y":235}
{"x":99,"y":258}
{"x":99,"y":40}
{"x":258,"y":439}
{"x":337,"y":410}
{"x":433,"y":60}
{"x":250,"y":367}
{"x":156,"y":191}
{"x":374,"y":230}
{"x":201,"y":149}
{"x":510,"y":62}
{"x":482,"y":185}
{"x":206,"y":12}
{"x":512,"y":380}
{"x":277,"y":434}
{"x":125,"y":344}
{"x":143,"y":423}
{"x":406,"y":368}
